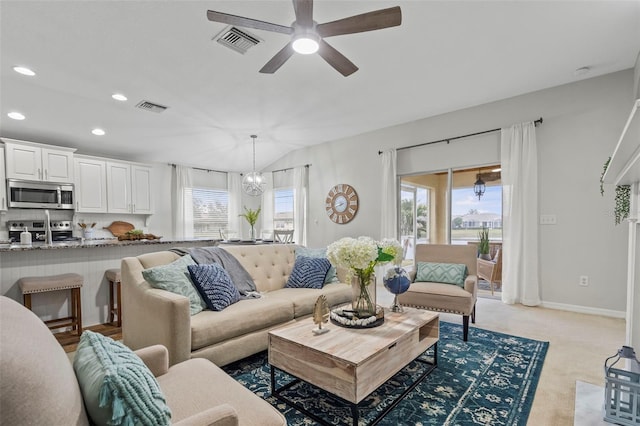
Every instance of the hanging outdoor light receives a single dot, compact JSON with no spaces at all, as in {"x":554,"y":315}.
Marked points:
{"x":253,"y":183}
{"x":622,"y":388}
{"x":479,"y":186}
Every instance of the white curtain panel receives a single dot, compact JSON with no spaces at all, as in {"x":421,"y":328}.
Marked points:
{"x":389,"y":207}
{"x":519,"y":158}
{"x":182,"y":202}
{"x":267,"y":207}
{"x":300,"y":188}
{"x":234,"y":186}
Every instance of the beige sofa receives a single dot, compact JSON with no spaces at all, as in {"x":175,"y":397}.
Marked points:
{"x":152,"y":316}
{"x":38,"y":385}
{"x":445,"y":297}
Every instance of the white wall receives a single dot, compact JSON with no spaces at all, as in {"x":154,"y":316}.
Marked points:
{"x":582,"y":122}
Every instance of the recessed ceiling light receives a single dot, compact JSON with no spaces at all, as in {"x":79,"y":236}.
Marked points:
{"x":24,"y":71}
{"x":16,"y":115}
{"x":582,"y":71}
{"x":98,"y":132}
{"x":496,"y":170}
{"x":119,"y":97}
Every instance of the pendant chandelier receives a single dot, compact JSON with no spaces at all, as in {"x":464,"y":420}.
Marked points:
{"x":253,"y":183}
{"x":479,"y":186}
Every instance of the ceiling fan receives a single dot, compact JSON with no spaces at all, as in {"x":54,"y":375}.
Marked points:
{"x":307,"y":36}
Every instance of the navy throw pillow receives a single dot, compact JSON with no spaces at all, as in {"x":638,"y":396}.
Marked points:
{"x":214,"y":285}
{"x":308,"y":272}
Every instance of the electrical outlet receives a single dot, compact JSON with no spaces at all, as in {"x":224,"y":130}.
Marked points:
{"x":548,"y":219}
{"x":584,"y":280}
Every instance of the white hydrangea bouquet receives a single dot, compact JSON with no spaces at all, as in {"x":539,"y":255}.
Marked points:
{"x":360,"y":256}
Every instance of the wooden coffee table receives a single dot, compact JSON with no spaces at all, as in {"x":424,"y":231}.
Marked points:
{"x":351,"y":363}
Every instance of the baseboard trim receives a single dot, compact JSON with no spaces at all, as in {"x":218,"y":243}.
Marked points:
{"x":584,"y":309}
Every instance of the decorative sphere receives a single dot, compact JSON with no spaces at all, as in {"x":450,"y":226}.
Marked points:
{"x":396,"y":280}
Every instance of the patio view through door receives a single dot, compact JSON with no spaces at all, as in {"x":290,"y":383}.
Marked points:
{"x":442,"y":208}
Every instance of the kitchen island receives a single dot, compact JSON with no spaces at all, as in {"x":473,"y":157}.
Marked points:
{"x":89,"y":258}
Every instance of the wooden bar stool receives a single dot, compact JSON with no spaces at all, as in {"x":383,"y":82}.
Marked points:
{"x":63,"y":282}
{"x":115,"y":307}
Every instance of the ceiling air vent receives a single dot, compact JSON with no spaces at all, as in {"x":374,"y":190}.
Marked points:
{"x":150,"y":106}
{"x":236,"y":39}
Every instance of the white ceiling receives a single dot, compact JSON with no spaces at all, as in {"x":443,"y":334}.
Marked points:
{"x":445,"y":56}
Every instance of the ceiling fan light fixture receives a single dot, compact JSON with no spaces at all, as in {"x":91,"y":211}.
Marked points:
{"x":306,"y":43}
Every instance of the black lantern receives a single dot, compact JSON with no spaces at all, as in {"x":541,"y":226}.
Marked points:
{"x":479,"y":187}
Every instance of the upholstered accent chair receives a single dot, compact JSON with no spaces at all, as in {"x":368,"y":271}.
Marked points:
{"x":437,"y":296}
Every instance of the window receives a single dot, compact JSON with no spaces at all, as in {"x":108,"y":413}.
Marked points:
{"x":210,"y":211}
{"x":283,"y":209}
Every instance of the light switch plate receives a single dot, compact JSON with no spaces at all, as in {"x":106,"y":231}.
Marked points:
{"x":548,"y":219}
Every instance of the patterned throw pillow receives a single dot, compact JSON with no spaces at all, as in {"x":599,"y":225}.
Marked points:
{"x":447,"y":273}
{"x":332,"y":275}
{"x":117,"y":387}
{"x":214,"y":285}
{"x":308,"y":272}
{"x":174,"y":277}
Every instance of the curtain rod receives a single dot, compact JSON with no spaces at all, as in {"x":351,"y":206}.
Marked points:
{"x":447,"y":140}
{"x":289,"y":168}
{"x":200,"y":168}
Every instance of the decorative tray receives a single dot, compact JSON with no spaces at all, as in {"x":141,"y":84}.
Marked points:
{"x":350,"y":319}
{"x":135,"y":237}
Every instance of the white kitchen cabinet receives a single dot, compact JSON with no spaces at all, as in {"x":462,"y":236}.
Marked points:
{"x":90,"y":184}
{"x":129,"y":188}
{"x":3,"y":187}
{"x":38,"y":162}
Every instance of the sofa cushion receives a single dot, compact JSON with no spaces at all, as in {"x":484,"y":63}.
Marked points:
{"x":246,"y":316}
{"x":175,"y":278}
{"x":214,"y":285}
{"x":268,"y":264}
{"x":197,"y":384}
{"x":117,"y":387}
{"x":304,"y":299}
{"x":321,"y":253}
{"x":447,"y":273}
{"x":308,"y":272}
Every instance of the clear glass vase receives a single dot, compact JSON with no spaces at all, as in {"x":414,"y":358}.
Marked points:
{"x":363,"y":292}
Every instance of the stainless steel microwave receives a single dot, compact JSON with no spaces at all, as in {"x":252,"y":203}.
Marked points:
{"x":40,"y":195}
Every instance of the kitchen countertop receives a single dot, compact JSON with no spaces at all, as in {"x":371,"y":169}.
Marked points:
{"x":89,"y":243}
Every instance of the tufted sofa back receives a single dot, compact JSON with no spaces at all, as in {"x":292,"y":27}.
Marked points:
{"x":268,"y":264}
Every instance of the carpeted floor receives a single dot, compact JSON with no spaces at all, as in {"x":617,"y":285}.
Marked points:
{"x":489,"y":380}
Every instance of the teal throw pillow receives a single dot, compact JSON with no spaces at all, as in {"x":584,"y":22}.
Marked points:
{"x":447,"y":273}
{"x":175,"y":278}
{"x":117,"y":387}
{"x":332,"y":276}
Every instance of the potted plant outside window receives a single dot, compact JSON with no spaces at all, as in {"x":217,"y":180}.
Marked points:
{"x":483,"y":245}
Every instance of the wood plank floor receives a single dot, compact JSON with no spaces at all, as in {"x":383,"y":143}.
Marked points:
{"x":69,"y":340}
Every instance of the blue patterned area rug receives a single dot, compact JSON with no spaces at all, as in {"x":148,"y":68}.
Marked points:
{"x":489,"y":380}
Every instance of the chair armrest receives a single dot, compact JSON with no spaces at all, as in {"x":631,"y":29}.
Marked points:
{"x":222,"y":415}
{"x":412,"y":275}
{"x":471,"y":285}
{"x":156,"y":358}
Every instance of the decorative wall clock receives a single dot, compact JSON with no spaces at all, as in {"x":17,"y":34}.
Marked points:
{"x":342,"y":203}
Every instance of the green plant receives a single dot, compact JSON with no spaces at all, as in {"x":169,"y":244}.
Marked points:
{"x":483,"y":236}
{"x":622,"y":199}
{"x":252,"y":217}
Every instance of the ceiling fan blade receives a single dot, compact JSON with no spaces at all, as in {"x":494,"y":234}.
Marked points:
{"x":336,"y":59}
{"x":376,"y":20}
{"x":241,"y":21}
{"x":304,"y":12}
{"x":278,"y":60}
